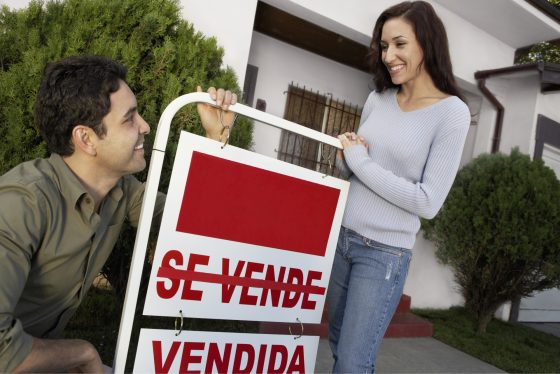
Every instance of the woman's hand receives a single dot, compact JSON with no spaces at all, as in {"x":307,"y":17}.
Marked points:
{"x":217,"y":122}
{"x":349,"y":139}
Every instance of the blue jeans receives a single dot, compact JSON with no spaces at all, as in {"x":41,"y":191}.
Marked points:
{"x":366,"y":284}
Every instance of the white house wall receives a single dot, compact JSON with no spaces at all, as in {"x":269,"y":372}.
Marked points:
{"x":429,"y":283}
{"x":541,"y":307}
{"x":548,"y":106}
{"x":472,"y":49}
{"x":518,"y":96}
{"x":485,"y":128}
{"x":279,"y":64}
{"x":519,"y":115}
{"x":474,"y":101}
{"x":231,"y":22}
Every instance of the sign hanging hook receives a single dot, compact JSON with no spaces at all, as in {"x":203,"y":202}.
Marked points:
{"x":225,"y":127}
{"x":301,"y":333}
{"x":181,"y":324}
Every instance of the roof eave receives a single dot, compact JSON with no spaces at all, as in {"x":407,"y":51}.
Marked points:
{"x":549,"y":74}
{"x":547,"y":8}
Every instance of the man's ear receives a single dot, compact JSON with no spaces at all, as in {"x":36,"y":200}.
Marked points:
{"x":83,"y":138}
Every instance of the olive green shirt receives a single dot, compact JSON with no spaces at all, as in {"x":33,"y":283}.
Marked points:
{"x":52,"y":246}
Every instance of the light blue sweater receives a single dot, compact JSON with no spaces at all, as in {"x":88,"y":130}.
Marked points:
{"x":408,"y":169}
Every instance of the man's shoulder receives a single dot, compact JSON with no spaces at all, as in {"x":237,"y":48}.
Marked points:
{"x":30,"y":173}
{"x":27,"y":193}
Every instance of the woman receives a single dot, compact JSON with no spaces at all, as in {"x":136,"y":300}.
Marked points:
{"x":401,"y":165}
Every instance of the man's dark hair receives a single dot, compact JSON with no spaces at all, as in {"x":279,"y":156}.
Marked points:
{"x":432,"y":38}
{"x":75,"y":91}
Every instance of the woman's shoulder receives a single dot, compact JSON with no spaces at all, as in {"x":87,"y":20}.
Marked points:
{"x":387,"y":93}
{"x":456,"y":107}
{"x":375,"y":97}
{"x":454,"y":114}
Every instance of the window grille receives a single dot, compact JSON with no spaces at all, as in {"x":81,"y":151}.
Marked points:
{"x":319,"y":112}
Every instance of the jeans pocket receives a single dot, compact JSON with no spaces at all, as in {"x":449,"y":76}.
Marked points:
{"x":396,"y":251}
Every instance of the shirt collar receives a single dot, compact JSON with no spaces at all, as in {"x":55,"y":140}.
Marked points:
{"x":69,"y":184}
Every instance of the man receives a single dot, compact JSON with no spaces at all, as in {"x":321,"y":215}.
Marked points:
{"x":60,"y":217}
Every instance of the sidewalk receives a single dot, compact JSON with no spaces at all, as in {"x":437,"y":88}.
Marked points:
{"x":413,"y":355}
{"x":552,"y":328}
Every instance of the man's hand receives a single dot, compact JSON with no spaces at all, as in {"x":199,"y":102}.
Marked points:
{"x":64,"y":355}
{"x":217,"y":122}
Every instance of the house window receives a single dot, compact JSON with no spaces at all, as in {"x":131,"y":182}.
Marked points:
{"x":320,"y":112}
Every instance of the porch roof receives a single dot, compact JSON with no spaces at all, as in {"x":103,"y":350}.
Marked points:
{"x":518,"y":23}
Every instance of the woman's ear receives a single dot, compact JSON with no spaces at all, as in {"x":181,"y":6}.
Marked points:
{"x":83,"y":138}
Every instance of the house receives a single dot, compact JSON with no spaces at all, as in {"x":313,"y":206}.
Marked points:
{"x":305,"y":60}
{"x":280,"y":47}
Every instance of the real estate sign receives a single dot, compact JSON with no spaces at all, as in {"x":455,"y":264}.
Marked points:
{"x":242,"y":237}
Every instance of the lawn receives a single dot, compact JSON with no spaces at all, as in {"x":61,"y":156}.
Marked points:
{"x":509,"y":346}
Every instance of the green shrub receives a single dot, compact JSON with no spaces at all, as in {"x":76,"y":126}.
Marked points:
{"x":499,"y":229}
{"x":165,"y":58}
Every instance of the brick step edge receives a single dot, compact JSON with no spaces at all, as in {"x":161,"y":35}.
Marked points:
{"x":404,"y":304}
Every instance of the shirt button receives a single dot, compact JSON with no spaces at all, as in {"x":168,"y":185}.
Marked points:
{"x":88,"y":200}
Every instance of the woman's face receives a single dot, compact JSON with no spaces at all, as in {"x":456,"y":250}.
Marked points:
{"x":400,"y":51}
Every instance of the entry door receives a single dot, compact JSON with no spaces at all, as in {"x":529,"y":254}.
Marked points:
{"x":544,"y":306}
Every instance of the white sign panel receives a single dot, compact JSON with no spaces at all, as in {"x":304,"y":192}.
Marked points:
{"x":244,"y":237}
{"x":161,"y":351}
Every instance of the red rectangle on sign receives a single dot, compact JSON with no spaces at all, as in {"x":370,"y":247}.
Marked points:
{"x":229,"y":200}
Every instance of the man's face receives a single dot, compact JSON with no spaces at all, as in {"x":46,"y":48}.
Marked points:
{"x":121,"y":150}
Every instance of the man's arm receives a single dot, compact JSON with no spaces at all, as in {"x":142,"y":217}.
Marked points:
{"x":217,"y":122}
{"x":63,"y":355}
{"x":21,"y":231}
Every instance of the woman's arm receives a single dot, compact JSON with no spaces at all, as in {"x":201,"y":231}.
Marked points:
{"x":426,"y":196}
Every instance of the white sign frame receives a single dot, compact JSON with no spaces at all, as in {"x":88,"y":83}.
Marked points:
{"x":210,"y":305}
{"x":151,"y":189}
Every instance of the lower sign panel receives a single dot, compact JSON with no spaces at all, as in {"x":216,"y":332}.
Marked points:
{"x":161,"y":351}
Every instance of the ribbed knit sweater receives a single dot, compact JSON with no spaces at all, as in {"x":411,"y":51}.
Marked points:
{"x":408,"y":168}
